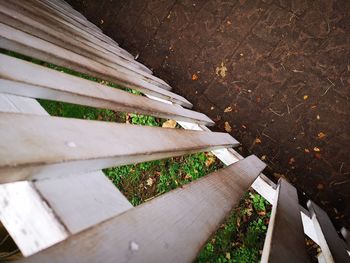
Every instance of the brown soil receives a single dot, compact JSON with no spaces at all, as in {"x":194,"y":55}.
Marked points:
{"x":282,"y":66}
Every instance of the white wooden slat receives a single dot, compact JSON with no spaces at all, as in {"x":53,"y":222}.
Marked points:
{"x":39,"y":27}
{"x":18,"y":203}
{"x":18,"y":41}
{"x":11,"y":103}
{"x":346,"y":234}
{"x":285,"y":240}
{"x":28,"y":20}
{"x":171,"y":228}
{"x":16,"y":77}
{"x":332,"y":246}
{"x":42,"y":11}
{"x":82,"y":145}
{"x":82,"y":200}
{"x":79,"y":18}
{"x":264,"y":186}
{"x":92,"y":194}
{"x":58,"y":8}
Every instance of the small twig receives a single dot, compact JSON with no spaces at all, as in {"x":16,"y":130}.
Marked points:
{"x":4,"y":239}
{"x":288,"y":109}
{"x":278,"y":114}
{"x":326,"y":90}
{"x":341,"y":167}
{"x":332,"y":85}
{"x":296,"y":106}
{"x":342,"y":182}
{"x":297,"y":71}
{"x":264,"y":134}
{"x":330,"y":81}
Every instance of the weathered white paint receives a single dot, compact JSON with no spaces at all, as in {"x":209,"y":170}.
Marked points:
{"x":65,"y":195}
{"x":30,"y":222}
{"x":262,"y":185}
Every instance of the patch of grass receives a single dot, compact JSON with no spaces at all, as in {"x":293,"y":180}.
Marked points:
{"x":68,"y":110}
{"x":241,"y":237}
{"x":140,"y":119}
{"x":143,"y":181}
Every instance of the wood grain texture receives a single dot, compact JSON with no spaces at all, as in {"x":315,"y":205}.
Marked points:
{"x":285,"y":240}
{"x":59,"y":8}
{"x":27,"y":20}
{"x":18,"y":41}
{"x":82,"y":146}
{"x":82,"y":200}
{"x":29,"y":221}
{"x":332,"y":246}
{"x":169,"y":228}
{"x":52,"y":204}
{"x":262,"y":185}
{"x":16,"y":77}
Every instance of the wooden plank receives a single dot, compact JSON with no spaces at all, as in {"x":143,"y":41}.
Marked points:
{"x":86,"y":193}
{"x":80,"y":146}
{"x":346,"y":234}
{"x":16,"y":77}
{"x":71,"y":18}
{"x":92,"y":194}
{"x":262,"y":185}
{"x":15,"y":40}
{"x":35,"y":25}
{"x":79,"y":18}
{"x":285,"y":240}
{"x":67,"y":28}
{"x":10,"y":103}
{"x":171,"y":228}
{"x":32,"y":22}
{"x":332,"y":246}
{"x":18,"y":203}
{"x":69,"y":24}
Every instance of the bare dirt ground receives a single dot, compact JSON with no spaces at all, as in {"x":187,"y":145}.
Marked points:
{"x":275,"y":74}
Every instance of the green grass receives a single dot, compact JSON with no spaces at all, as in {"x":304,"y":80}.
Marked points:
{"x":143,"y":181}
{"x":239,"y":238}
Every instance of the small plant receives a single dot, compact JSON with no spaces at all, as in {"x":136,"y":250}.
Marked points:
{"x":139,"y":119}
{"x":241,"y":237}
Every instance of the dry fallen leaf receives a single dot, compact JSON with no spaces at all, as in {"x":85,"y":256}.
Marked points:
{"x":228,"y":109}
{"x":228,"y":127}
{"x":262,"y":213}
{"x":194,"y":77}
{"x":221,"y":70}
{"x":169,"y":124}
{"x":257,"y":141}
{"x":187,"y":176}
{"x":306,"y":150}
{"x":149,"y":182}
{"x":305,"y":97}
{"x":210,"y":160}
{"x":316,"y":149}
{"x":321,"y":135}
{"x":291,"y":160}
